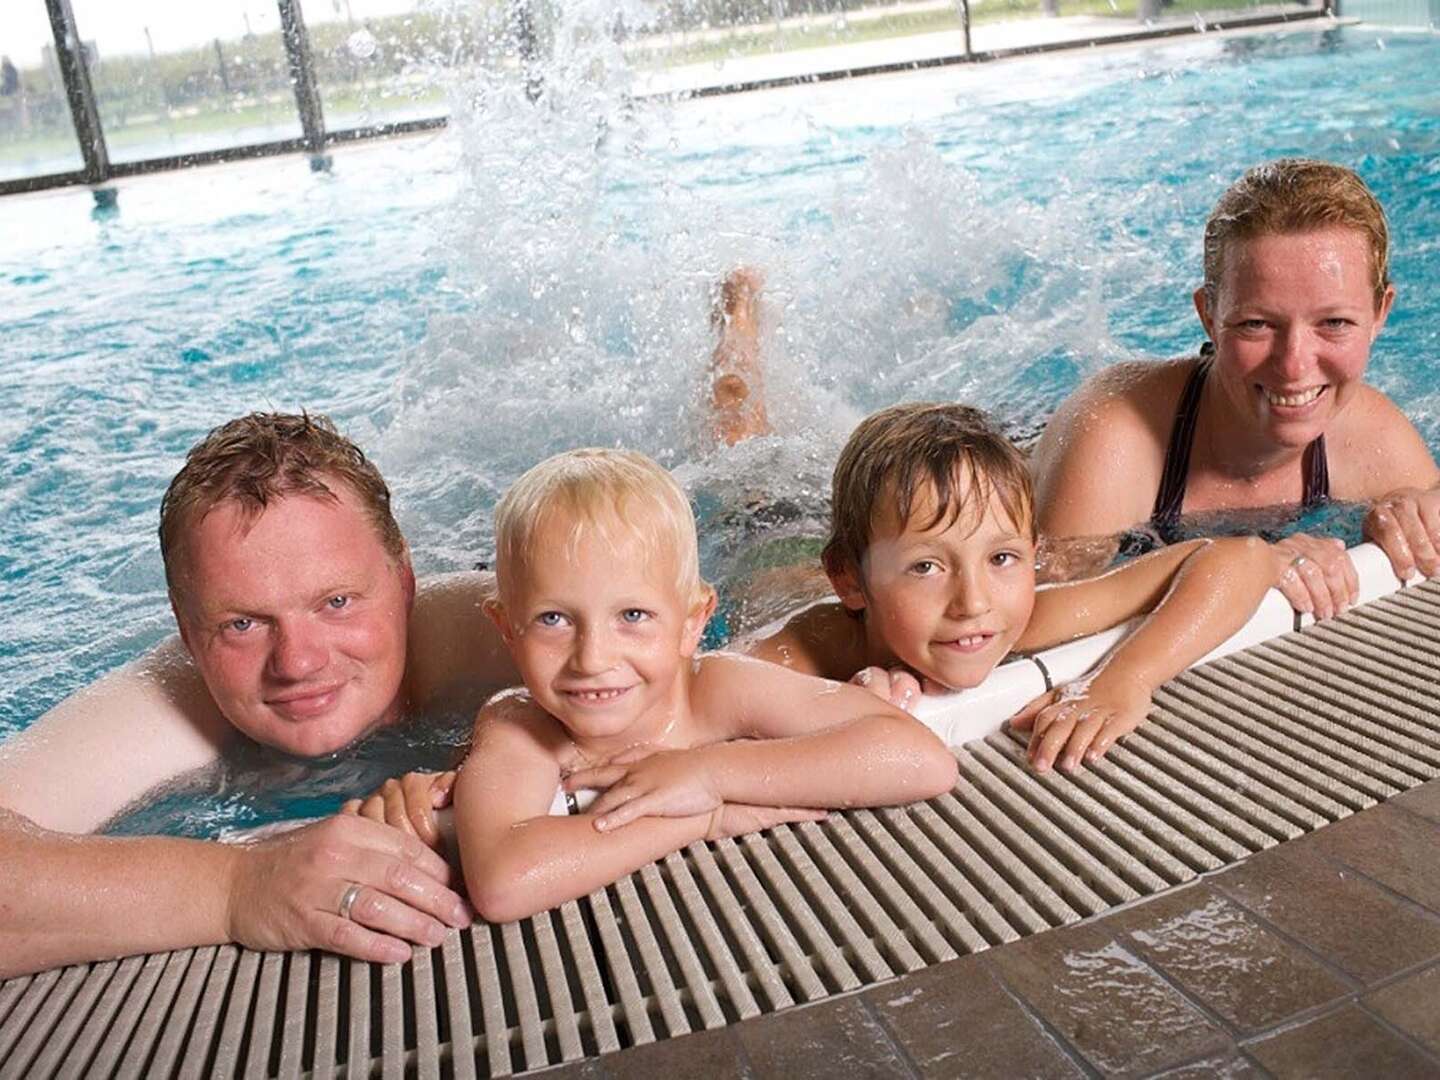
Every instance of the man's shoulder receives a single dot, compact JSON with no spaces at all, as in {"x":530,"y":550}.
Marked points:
{"x":108,"y":744}
{"x":455,"y":656}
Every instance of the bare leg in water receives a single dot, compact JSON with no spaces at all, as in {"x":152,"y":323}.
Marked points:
{"x":737,"y":389}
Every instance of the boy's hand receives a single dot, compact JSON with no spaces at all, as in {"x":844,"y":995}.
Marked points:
{"x":409,"y":804}
{"x":1315,"y":574}
{"x":736,"y":819}
{"x":667,"y":783}
{"x":1080,"y":721}
{"x":897,"y":686}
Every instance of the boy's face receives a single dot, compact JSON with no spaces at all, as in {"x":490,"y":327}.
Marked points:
{"x":600,"y":630}
{"x":948,"y":601}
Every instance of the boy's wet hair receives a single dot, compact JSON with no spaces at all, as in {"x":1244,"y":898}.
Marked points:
{"x":615,"y":493}
{"x":894,"y":453}
{"x":255,"y":459}
{"x":1296,"y":195}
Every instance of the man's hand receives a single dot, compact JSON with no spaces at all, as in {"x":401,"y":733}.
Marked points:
{"x":667,"y":783}
{"x":286,"y":892}
{"x":1316,"y":574}
{"x":1406,"y":525}
{"x":409,"y":804}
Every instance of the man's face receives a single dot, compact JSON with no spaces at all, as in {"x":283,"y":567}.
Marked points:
{"x":297,"y":620}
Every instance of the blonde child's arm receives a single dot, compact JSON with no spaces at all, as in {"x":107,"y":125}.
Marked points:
{"x":1212,"y":588}
{"x":518,"y":859}
{"x":789,"y":740}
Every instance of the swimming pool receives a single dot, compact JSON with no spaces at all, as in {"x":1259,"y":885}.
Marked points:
{"x":989,"y":233}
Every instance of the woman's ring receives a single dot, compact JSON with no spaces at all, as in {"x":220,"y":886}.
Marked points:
{"x":347,"y":899}
{"x":1298,"y":561}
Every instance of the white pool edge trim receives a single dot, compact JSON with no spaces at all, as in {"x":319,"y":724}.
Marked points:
{"x":967,"y":715}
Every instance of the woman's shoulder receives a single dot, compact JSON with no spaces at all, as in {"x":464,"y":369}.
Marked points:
{"x":1373,"y":448}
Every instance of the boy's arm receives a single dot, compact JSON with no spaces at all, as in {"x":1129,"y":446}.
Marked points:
{"x":790,"y":740}
{"x":517,"y":858}
{"x":1211,"y":594}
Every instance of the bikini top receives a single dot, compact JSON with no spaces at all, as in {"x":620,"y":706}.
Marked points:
{"x":1171,"y":497}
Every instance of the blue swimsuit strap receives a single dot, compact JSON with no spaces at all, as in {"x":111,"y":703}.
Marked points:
{"x":1169,"y":500}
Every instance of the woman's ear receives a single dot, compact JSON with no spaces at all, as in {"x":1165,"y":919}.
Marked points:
{"x":1382,"y":311}
{"x":1202,"y":308}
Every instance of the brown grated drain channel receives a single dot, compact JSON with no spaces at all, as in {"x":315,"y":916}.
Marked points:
{"x":1238,"y":755}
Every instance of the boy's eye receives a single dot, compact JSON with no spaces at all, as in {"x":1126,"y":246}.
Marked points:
{"x":550,"y":618}
{"x":634,"y":615}
{"x":924,"y":567}
{"x":1004,"y":558}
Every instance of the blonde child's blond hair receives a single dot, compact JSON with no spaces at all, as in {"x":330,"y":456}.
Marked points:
{"x":616,"y":494}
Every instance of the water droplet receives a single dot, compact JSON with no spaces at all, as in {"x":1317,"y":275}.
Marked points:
{"x":361,"y":44}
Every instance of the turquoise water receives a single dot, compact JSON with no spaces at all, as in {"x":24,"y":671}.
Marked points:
{"x":465,"y":303}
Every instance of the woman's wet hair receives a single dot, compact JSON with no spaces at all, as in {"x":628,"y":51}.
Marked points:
{"x":618,"y":495}
{"x":1296,"y":195}
{"x":255,"y":459}
{"x":955,"y":450}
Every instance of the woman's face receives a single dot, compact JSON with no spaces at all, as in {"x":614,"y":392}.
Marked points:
{"x":1292,"y":319}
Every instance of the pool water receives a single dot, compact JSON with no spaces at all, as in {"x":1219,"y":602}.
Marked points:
{"x":465,"y":303}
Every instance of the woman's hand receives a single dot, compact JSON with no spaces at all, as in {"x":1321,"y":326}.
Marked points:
{"x":1406,"y":525}
{"x":1081,"y":720}
{"x":667,"y":783}
{"x":409,"y":804}
{"x":1315,"y":574}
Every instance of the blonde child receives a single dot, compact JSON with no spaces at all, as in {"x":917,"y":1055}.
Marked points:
{"x":932,"y":558}
{"x":602,"y":606}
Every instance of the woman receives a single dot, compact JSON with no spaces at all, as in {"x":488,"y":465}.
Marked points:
{"x":1273,"y":410}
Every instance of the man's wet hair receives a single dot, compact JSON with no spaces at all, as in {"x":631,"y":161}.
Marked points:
{"x":1297,"y":195}
{"x":615,"y":494}
{"x":954,"y":449}
{"x":255,"y":459}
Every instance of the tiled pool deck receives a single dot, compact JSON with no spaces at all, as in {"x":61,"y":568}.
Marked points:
{"x":1316,"y":958}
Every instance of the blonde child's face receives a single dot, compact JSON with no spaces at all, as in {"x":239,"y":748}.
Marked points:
{"x":600,"y":631}
{"x":948,"y":601}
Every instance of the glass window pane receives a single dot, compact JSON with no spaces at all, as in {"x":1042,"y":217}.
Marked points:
{"x":376,"y":61}
{"x":177,"y":77}
{"x":37,"y":136}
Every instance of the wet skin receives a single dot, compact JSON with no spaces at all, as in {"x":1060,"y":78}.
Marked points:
{"x":1293,"y":319}
{"x":948,"y":600}
{"x":297,"y":620}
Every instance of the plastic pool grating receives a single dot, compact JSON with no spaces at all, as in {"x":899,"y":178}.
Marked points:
{"x":1238,"y":755}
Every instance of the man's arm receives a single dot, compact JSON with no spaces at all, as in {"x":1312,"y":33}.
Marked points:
{"x":107,"y":745}
{"x":69,"y":899}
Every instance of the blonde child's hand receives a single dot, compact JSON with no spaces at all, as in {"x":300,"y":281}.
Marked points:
{"x":896,"y":685}
{"x":408,"y":804}
{"x":1080,"y":721}
{"x":666,"y":783}
{"x":736,"y":819}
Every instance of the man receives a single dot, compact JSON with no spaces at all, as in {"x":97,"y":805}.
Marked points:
{"x":300,"y":628}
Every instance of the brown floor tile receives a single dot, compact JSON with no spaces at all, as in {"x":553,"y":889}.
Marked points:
{"x":1233,"y":1066}
{"x":1344,"y":1044}
{"x":715,"y":1055}
{"x":1105,"y":1001}
{"x":833,"y":1038}
{"x":955,"y":1020}
{"x":1222,"y":957}
{"x":1423,"y":800}
{"x":590,"y":1069}
{"x":1412,"y":1005}
{"x":1394,"y":848}
{"x":1353,"y":924}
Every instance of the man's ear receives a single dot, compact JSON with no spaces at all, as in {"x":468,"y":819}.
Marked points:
{"x":496,"y":611}
{"x":180,"y":624}
{"x":696,"y":621}
{"x":845,"y":580}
